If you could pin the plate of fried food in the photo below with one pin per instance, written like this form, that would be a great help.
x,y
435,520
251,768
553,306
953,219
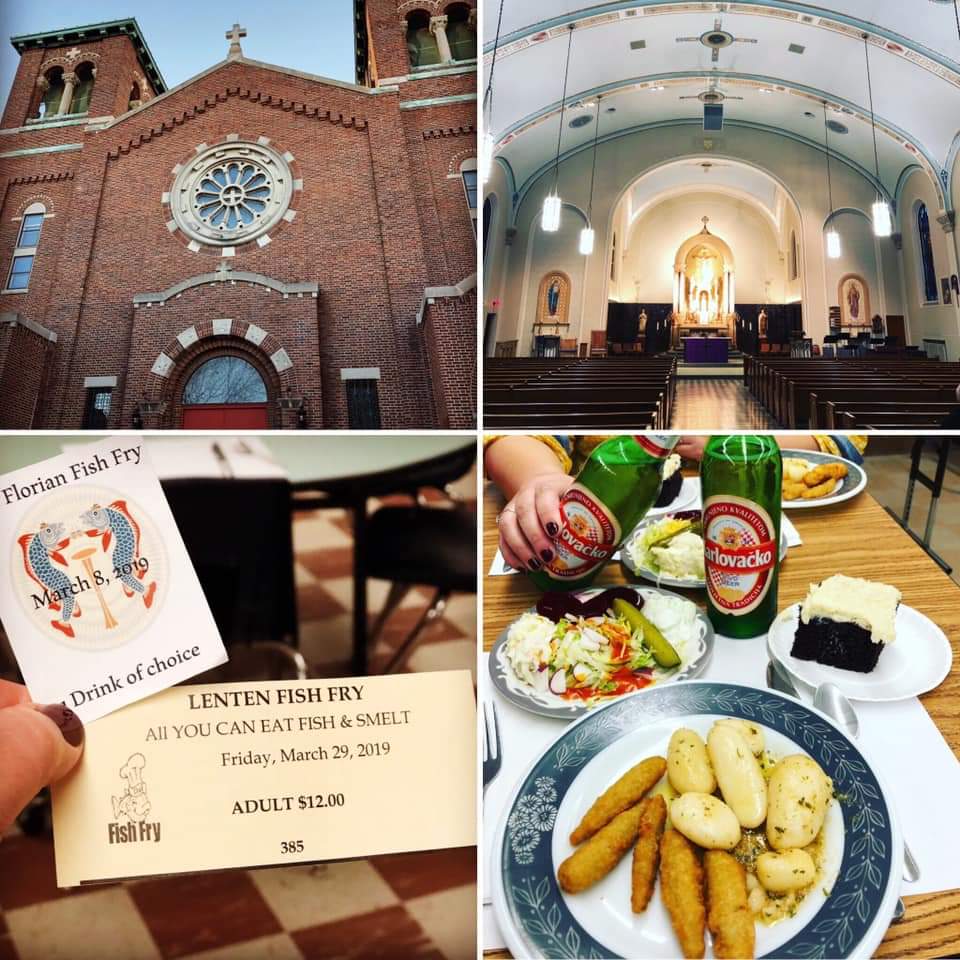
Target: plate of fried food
x,y
814,479
699,819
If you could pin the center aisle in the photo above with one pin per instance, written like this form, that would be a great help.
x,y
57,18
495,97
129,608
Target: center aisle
x,y
717,403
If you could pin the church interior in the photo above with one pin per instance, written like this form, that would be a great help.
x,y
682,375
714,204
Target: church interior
x,y
709,204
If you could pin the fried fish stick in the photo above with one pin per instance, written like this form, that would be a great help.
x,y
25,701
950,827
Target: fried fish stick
x,y
626,792
646,854
601,853
729,917
821,490
681,886
793,491
826,471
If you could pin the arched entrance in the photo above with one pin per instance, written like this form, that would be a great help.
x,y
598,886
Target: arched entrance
x,y
225,393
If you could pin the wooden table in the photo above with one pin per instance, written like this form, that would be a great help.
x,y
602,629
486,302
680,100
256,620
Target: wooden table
x,y
860,539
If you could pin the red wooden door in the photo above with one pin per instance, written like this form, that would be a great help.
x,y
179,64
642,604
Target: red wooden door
x,y
227,416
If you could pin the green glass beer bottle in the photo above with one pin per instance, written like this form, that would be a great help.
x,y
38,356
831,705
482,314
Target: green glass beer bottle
x,y
740,484
614,490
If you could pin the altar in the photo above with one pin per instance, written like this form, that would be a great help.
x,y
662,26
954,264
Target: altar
x,y
706,349
703,287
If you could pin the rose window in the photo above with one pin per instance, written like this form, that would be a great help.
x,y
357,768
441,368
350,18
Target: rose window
x,y
231,193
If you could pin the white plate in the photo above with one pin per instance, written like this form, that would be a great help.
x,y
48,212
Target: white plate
x,y
852,484
687,499
917,661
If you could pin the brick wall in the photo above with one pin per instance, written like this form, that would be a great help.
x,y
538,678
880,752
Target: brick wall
x,y
23,361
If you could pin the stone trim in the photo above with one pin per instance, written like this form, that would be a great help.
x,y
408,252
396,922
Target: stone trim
x,y
43,124
440,293
42,178
223,276
12,319
437,101
33,151
93,382
359,373
439,70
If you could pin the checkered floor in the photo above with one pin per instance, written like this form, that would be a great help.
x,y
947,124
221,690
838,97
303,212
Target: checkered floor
x,y
419,906
716,404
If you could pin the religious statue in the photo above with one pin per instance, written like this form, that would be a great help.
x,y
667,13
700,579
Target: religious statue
x,y
643,320
853,301
553,298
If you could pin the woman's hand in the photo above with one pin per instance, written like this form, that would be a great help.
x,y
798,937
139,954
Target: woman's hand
x,y
530,521
691,448
38,745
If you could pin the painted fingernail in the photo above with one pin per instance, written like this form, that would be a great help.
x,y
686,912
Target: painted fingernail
x,y
533,563
69,723
547,555
552,529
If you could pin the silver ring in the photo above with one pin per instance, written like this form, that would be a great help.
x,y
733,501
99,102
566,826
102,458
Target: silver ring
x,y
503,511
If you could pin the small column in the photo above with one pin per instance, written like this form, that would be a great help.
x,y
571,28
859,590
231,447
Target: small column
x,y
438,27
69,82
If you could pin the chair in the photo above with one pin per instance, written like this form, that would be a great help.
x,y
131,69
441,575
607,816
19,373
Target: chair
x,y
568,348
598,343
426,543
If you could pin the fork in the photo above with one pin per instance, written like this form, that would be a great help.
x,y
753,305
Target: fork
x,y
492,756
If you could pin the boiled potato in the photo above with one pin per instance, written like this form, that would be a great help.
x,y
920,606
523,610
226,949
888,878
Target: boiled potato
x,y
688,766
794,468
706,820
752,732
738,774
782,872
798,794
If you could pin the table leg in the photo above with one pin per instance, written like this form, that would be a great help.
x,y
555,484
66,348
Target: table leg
x,y
360,587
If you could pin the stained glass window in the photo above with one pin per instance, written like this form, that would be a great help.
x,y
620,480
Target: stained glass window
x,y
225,380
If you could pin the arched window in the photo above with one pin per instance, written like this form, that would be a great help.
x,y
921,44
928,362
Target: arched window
x,y
461,36
225,380
421,43
468,173
24,254
794,258
53,94
83,89
930,292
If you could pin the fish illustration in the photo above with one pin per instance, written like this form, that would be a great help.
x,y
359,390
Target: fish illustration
x,y
115,522
40,551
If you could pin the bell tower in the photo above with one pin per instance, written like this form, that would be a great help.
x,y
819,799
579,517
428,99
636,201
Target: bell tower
x,y
413,39
81,73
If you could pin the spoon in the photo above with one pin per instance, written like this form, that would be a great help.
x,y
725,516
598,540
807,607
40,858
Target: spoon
x,y
831,700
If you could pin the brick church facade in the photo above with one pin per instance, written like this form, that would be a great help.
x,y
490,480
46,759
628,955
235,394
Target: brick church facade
x,y
255,247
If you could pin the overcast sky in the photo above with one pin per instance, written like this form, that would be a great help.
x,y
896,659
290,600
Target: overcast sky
x,y
187,36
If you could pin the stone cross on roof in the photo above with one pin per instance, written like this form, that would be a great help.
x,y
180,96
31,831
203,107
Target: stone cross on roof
x,y
233,35
705,220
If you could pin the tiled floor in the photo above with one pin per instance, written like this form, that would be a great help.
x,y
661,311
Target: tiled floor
x,y
887,475
716,405
420,906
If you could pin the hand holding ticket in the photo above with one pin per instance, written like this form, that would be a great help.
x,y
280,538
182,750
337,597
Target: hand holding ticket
x,y
242,774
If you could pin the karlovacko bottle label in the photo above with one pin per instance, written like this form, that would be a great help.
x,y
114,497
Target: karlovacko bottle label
x,y
589,534
740,553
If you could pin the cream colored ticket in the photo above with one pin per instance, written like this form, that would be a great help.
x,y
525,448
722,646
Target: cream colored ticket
x,y
248,774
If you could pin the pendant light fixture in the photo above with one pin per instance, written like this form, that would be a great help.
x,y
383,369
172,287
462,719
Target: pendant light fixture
x,y
486,140
882,220
586,234
552,204
833,237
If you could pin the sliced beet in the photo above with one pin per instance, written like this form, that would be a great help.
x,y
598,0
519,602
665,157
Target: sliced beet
x,y
555,605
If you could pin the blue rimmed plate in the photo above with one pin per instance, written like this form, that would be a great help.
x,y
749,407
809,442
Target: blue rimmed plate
x,y
852,484
863,848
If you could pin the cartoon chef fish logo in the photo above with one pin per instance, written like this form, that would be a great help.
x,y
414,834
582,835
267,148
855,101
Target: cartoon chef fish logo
x,y
132,807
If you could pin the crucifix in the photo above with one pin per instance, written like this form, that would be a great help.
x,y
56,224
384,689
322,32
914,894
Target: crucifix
x,y
233,35
716,39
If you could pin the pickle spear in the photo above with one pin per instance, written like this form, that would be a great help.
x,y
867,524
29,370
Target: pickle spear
x,y
660,647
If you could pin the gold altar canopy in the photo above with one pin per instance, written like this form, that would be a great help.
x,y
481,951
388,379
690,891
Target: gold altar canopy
x,y
703,282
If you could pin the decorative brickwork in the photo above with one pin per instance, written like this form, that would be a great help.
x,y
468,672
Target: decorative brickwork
x,y
376,215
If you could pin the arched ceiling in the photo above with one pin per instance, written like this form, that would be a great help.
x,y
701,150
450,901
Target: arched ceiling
x,y
628,53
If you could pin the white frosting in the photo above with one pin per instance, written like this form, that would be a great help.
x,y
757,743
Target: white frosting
x,y
671,465
870,605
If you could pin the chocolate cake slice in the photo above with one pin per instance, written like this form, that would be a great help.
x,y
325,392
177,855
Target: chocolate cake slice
x,y
672,481
846,622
